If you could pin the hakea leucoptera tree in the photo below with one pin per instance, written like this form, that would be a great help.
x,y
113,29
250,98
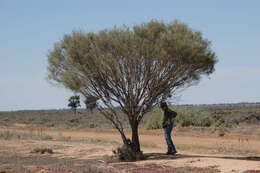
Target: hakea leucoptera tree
x,y
131,68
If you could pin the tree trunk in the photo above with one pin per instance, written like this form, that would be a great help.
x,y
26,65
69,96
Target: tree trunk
x,y
123,137
135,137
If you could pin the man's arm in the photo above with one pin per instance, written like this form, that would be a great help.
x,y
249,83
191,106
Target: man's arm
x,y
164,120
173,113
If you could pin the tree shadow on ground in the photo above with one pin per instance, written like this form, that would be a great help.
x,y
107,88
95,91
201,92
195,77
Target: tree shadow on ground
x,y
162,156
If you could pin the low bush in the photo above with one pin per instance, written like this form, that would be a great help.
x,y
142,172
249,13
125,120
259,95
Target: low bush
x,y
126,153
6,135
42,150
186,117
206,116
155,120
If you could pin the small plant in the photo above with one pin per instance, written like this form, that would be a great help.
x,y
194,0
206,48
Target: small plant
x,y
42,150
221,133
92,126
47,137
126,153
6,135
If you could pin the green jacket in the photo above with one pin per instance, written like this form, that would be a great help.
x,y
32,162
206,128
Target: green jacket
x,y
168,117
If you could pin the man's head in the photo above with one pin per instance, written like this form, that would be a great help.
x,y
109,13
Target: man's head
x,y
163,105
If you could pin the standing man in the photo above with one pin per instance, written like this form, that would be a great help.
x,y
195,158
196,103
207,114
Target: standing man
x,y
167,124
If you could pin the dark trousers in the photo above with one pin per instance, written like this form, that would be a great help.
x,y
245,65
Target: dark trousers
x,y
167,133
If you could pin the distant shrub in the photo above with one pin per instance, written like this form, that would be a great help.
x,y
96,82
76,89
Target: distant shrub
x,y
155,120
193,117
214,116
186,117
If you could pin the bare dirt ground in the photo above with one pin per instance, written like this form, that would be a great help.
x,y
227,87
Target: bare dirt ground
x,y
79,148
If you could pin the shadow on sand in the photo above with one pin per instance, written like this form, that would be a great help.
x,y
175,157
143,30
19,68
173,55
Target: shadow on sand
x,y
162,156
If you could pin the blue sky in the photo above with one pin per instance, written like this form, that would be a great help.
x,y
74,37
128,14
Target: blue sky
x,y
29,28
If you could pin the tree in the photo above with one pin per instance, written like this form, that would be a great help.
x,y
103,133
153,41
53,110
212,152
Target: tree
x,y
133,68
91,102
74,102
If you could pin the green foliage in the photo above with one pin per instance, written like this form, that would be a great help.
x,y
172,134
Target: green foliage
x,y
220,118
83,61
186,117
155,122
193,117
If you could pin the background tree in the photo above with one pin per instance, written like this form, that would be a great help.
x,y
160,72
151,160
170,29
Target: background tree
x,y
74,102
133,68
91,102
